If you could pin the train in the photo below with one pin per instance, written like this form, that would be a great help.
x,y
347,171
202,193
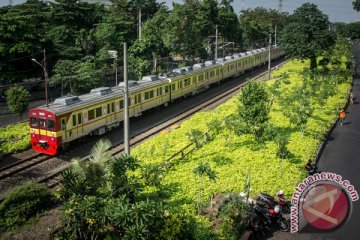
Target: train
x,y
68,118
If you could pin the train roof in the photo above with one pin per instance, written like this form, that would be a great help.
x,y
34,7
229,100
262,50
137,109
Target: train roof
x,y
69,103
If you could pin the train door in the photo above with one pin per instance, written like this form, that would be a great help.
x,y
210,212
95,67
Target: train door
x,y
80,125
63,129
73,133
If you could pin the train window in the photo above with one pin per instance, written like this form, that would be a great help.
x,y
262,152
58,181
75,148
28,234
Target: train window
x,y
194,79
180,84
74,120
200,77
166,89
91,114
187,82
98,111
212,73
108,108
138,98
42,123
51,125
159,91
121,104
173,87
113,107
33,122
79,119
147,95
63,124
217,72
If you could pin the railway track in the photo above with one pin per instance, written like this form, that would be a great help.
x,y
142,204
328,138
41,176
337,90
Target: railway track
x,y
22,165
52,179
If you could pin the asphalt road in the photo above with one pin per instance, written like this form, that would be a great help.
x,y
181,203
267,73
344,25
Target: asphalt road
x,y
342,156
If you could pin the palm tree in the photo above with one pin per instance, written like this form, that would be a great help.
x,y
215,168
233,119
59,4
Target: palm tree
x,y
86,177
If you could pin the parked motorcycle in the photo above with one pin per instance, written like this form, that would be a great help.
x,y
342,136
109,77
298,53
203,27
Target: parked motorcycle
x,y
284,205
273,216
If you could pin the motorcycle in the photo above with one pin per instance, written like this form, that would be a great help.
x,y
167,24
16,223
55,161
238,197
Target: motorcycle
x,y
269,201
273,216
285,206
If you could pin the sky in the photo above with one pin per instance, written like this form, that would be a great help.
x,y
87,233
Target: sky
x,y
337,10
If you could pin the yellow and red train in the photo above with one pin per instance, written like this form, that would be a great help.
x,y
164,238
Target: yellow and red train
x,y
71,117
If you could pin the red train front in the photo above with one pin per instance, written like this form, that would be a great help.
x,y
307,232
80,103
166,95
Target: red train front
x,y
43,131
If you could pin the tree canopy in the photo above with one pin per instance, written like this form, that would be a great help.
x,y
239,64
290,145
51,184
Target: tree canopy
x,y
18,99
356,5
307,35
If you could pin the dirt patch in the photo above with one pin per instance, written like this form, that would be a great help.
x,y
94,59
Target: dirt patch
x,y
42,229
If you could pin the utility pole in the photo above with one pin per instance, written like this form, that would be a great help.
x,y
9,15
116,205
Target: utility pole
x,y
216,42
46,80
126,103
10,2
45,76
269,62
139,23
275,43
280,5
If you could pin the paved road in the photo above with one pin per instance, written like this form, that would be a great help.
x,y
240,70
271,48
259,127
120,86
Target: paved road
x,y
342,156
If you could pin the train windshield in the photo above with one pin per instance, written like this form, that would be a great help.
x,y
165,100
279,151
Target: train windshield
x,y
42,123
33,122
50,125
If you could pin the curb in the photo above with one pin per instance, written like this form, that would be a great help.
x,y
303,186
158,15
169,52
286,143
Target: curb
x,y
327,135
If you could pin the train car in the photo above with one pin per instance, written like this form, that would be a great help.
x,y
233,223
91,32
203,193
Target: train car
x,y
71,117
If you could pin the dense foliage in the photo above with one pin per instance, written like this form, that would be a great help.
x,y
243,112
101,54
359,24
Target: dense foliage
x,y
22,203
356,5
18,99
307,35
106,197
253,108
14,138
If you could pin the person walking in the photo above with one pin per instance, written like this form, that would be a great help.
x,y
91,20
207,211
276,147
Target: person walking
x,y
352,98
342,116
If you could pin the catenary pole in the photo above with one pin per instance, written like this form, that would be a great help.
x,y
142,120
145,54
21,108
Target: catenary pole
x,y
216,42
126,103
46,80
269,62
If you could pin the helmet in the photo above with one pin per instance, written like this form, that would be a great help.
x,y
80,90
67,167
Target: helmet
x,y
242,195
281,192
277,209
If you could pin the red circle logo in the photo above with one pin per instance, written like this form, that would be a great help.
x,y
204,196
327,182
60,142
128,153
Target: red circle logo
x,y
325,206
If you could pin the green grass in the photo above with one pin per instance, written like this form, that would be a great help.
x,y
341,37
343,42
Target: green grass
x,y
14,138
232,156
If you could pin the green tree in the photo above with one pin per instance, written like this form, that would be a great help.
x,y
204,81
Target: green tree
x,y
18,99
298,108
256,23
203,169
253,108
307,35
105,198
23,29
356,5
79,76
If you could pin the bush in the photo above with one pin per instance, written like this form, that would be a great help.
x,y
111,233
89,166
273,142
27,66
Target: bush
x,y
14,138
22,203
